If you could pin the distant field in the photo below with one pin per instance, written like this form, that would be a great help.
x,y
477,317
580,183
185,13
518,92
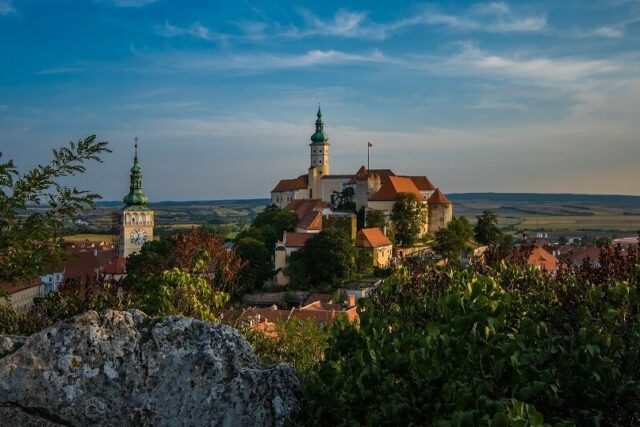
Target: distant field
x,y
574,223
90,237
561,213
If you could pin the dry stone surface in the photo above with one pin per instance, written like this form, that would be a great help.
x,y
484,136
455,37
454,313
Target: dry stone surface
x,y
124,368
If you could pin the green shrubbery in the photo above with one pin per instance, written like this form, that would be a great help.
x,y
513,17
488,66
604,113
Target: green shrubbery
x,y
461,348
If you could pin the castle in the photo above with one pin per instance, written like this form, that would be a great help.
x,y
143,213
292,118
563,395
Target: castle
x,y
368,189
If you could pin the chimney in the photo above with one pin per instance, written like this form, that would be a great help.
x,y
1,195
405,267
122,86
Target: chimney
x,y
351,301
95,252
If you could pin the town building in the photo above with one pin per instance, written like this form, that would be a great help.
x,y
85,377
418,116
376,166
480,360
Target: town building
x,y
374,247
21,295
136,219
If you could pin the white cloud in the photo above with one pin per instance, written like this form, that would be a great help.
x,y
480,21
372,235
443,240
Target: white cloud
x,y
6,7
131,3
196,30
610,32
496,17
59,70
537,69
261,62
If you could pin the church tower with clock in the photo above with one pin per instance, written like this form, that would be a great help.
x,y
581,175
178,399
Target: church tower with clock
x,y
136,219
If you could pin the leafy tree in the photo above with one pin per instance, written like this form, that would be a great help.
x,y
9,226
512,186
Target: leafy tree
x,y
375,219
453,239
563,240
327,258
603,241
486,231
183,292
299,343
408,216
280,219
31,244
257,262
154,258
343,200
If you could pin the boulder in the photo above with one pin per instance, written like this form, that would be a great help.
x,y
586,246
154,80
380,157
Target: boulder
x,y
121,368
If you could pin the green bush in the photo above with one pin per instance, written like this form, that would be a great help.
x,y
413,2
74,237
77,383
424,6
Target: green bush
x,y
439,347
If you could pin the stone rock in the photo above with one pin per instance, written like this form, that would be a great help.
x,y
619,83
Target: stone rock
x,y
121,368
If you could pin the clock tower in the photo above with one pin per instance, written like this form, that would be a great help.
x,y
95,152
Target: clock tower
x,y
136,219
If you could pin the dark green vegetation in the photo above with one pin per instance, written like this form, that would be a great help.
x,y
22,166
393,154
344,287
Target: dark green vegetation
x,y
499,345
255,244
326,260
31,242
408,216
452,240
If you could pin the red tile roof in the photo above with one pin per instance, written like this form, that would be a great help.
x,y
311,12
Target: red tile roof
x,y
394,186
12,288
438,198
542,259
296,240
309,213
363,173
299,183
422,182
84,263
371,238
117,266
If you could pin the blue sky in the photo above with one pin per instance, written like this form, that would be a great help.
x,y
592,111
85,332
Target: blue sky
x,y
538,96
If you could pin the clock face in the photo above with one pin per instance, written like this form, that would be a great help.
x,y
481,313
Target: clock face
x,y
138,236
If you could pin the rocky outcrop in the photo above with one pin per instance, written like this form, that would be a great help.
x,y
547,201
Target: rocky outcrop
x,y
125,368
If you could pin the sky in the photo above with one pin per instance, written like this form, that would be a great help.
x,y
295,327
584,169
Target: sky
x,y
536,96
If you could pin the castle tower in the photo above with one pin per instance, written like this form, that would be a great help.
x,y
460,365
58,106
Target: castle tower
x,y
136,219
319,158
440,211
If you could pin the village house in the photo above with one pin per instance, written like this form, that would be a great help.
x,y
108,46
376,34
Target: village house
x,y
374,247
21,295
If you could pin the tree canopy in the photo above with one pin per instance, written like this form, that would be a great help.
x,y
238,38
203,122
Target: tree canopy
x,y
375,219
408,216
486,231
31,243
452,240
327,258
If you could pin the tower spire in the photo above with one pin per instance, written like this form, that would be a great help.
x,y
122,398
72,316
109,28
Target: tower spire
x,y
135,197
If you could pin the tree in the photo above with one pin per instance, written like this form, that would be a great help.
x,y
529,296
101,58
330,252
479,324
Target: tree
x,y
375,219
343,200
327,258
453,239
408,216
205,255
31,243
257,262
154,258
280,219
486,231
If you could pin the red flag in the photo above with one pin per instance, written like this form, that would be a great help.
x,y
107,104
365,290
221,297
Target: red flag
x,y
370,144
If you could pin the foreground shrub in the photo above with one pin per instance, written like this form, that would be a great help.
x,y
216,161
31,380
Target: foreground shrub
x,y
460,348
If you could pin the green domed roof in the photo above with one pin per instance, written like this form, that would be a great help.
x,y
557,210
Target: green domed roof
x,y
320,137
135,198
